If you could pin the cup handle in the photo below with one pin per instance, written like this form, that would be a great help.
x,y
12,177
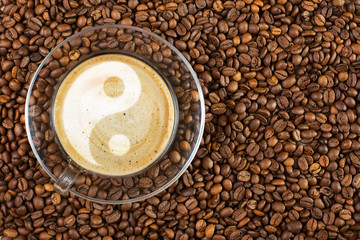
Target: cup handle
x,y
66,179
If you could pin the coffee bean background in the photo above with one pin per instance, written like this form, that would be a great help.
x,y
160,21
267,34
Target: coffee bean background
x,y
280,155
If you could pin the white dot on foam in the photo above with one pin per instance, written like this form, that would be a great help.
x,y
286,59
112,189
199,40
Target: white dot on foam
x,y
119,144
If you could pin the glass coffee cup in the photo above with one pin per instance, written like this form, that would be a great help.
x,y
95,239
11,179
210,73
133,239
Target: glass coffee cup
x,y
114,114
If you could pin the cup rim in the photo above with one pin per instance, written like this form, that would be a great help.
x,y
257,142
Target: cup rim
x,y
201,127
173,131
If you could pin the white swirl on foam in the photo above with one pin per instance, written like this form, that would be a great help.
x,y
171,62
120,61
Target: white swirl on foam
x,y
93,104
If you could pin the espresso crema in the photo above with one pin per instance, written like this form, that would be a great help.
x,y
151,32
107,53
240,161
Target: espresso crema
x,y
113,114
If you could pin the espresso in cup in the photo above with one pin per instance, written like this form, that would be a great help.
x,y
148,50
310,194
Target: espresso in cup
x,y
114,114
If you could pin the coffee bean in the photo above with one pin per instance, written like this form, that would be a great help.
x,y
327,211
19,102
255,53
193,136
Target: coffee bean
x,y
308,134
34,24
356,33
145,182
8,124
73,234
84,230
294,226
218,108
22,184
345,214
49,209
278,207
252,149
324,161
10,232
283,42
244,176
239,192
149,211
55,198
258,189
38,202
245,59
8,22
307,202
311,225
329,218
209,231
280,125
276,31
237,234
227,71
276,219
113,217
356,181
282,102
315,168
303,164
69,221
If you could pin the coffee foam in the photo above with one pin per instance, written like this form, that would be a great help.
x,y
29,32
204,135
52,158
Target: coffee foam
x,y
113,114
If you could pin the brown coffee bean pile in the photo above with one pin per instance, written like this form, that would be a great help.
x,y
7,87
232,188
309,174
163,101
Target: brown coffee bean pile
x,y
280,155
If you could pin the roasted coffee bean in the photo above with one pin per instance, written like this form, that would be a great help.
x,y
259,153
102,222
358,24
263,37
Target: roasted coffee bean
x,y
294,226
276,219
244,176
218,108
145,182
252,149
307,202
345,214
69,221
113,217
311,225
227,71
245,59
